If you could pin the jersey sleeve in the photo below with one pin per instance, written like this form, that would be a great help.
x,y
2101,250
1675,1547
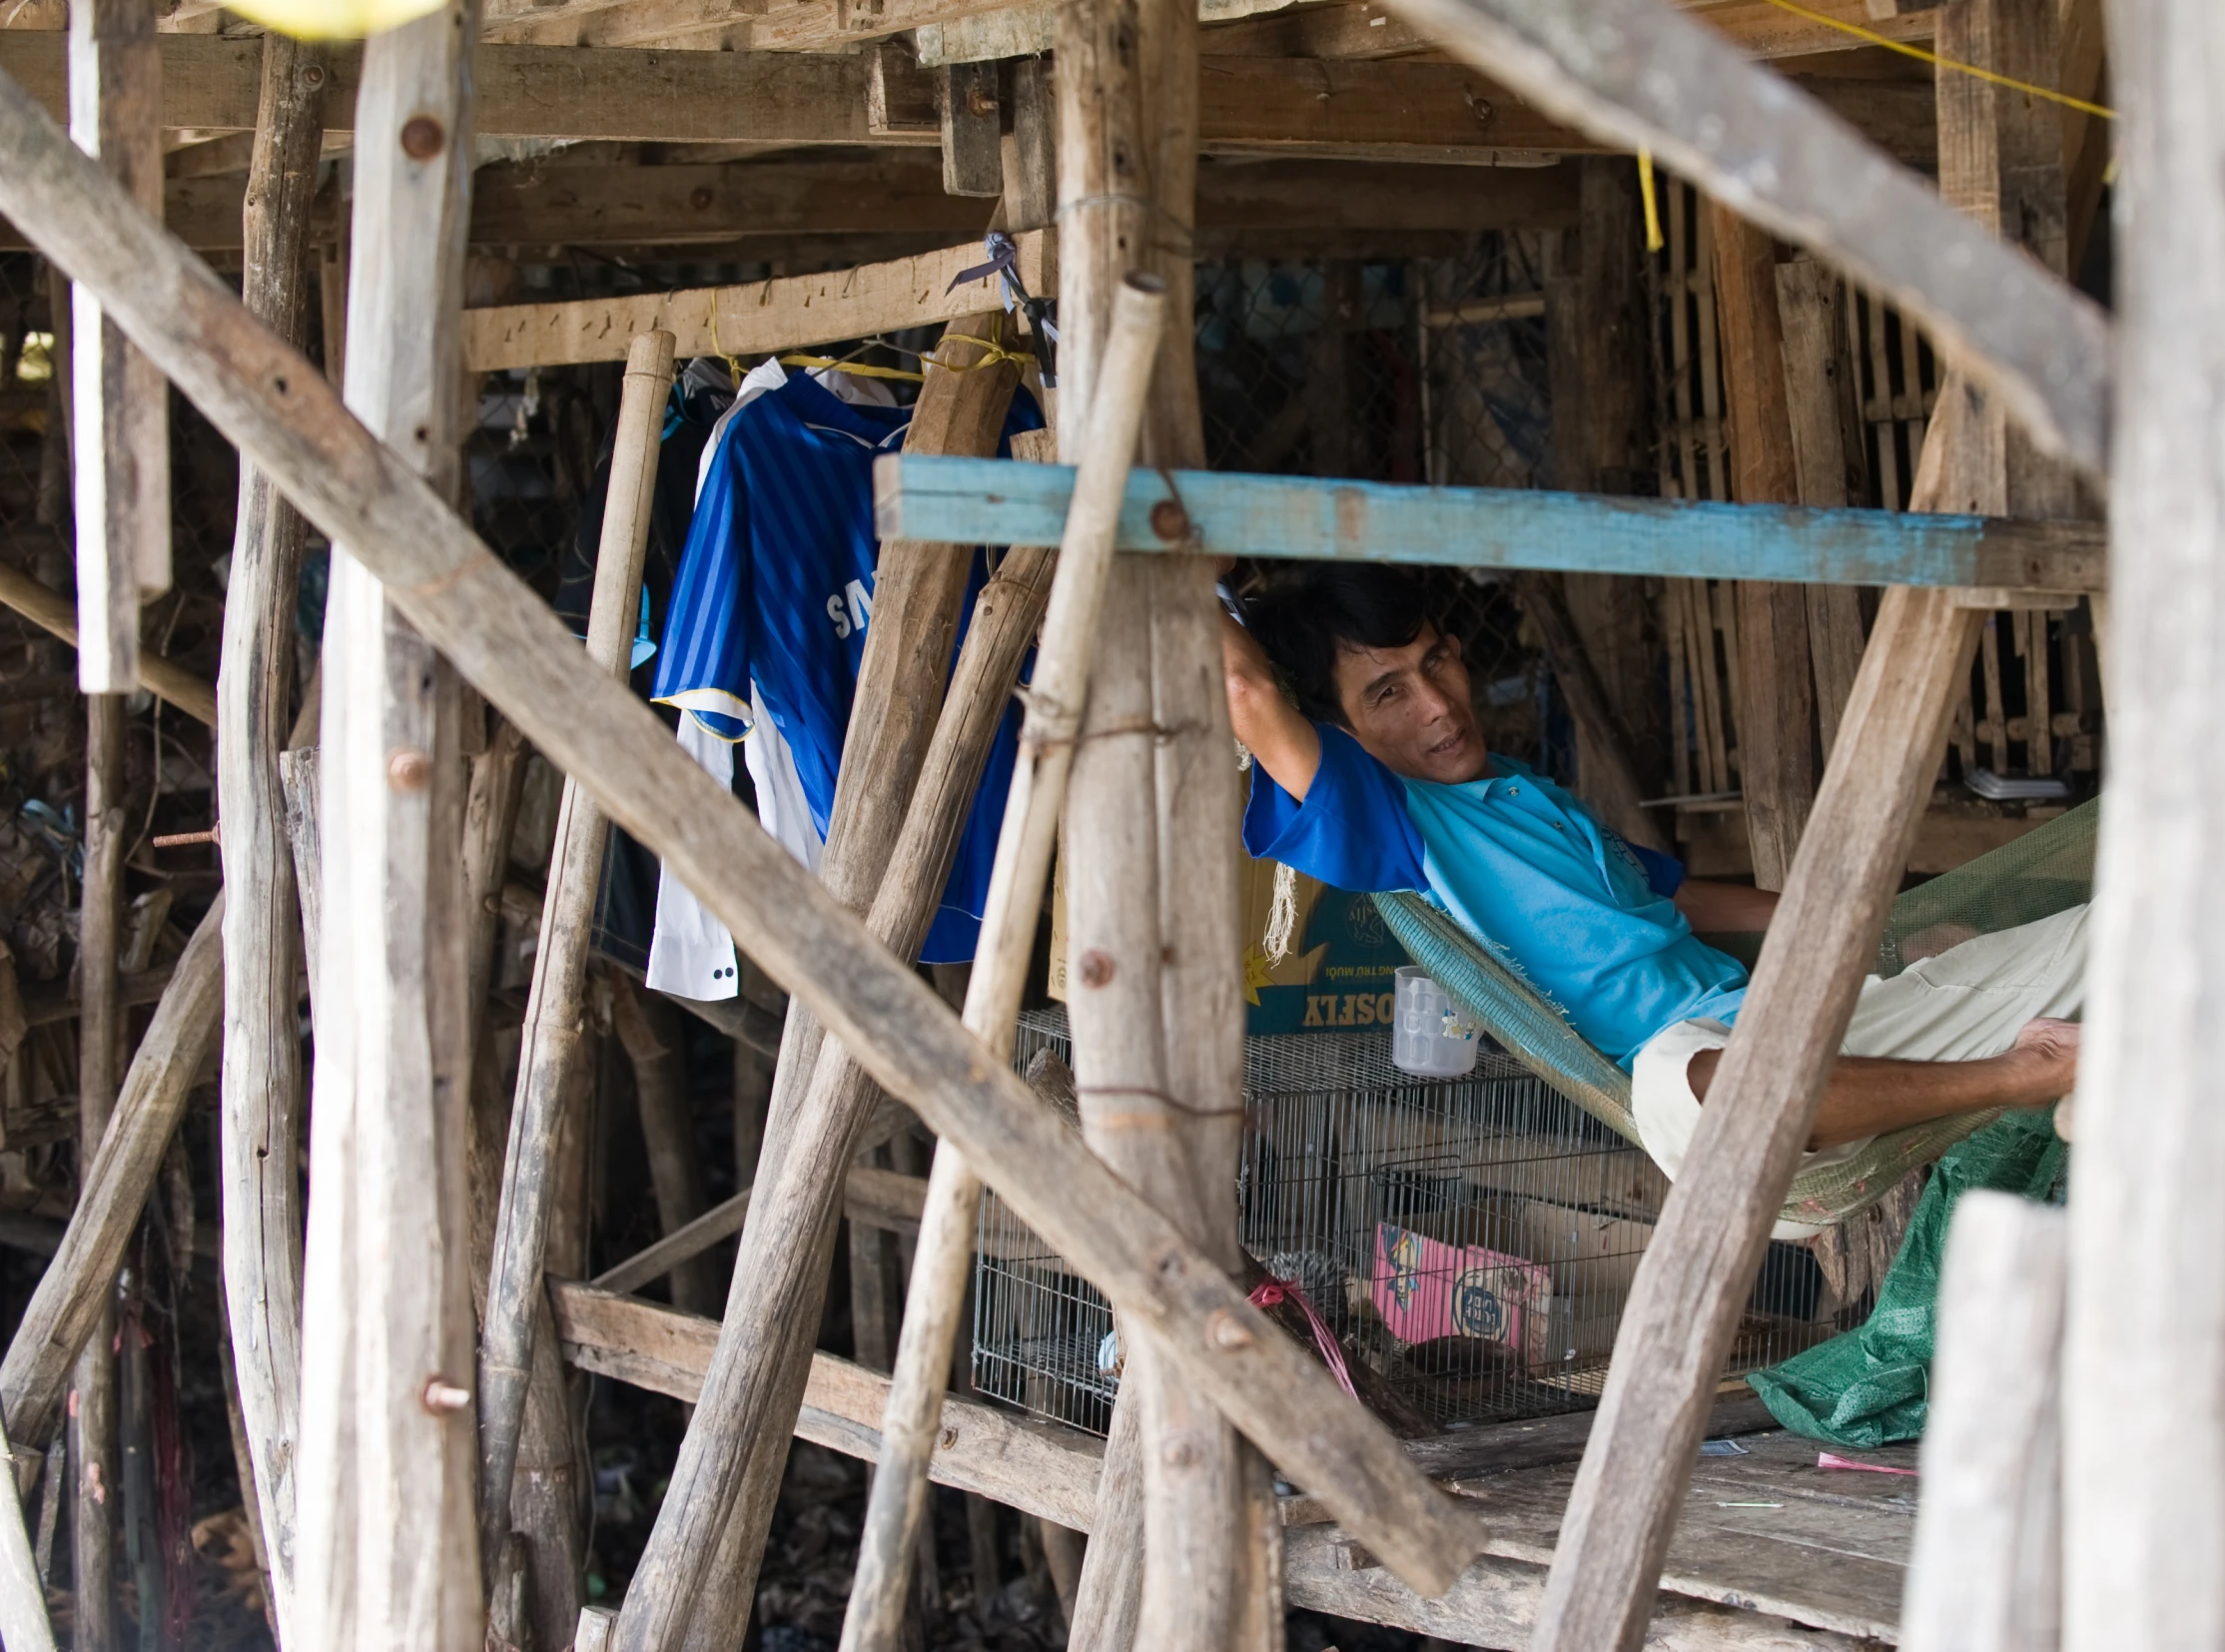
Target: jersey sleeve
x,y
1353,831
703,660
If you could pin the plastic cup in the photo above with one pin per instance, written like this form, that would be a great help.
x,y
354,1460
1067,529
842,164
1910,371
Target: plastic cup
x,y
1429,1037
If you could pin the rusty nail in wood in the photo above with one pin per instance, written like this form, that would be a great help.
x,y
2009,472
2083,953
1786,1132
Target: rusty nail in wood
x,y
1483,111
1228,1331
407,770
180,840
441,1396
1170,520
422,137
1096,969
981,102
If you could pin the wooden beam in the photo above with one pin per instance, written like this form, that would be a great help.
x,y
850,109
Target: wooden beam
x,y
390,1552
752,319
995,501
1635,73
2144,1503
272,403
118,410
1052,1472
753,209
57,614
1412,110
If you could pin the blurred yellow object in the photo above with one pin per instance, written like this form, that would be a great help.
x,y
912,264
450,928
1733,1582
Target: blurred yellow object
x,y
333,19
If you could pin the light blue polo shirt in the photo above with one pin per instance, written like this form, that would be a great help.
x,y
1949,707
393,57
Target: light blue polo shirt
x,y
1585,918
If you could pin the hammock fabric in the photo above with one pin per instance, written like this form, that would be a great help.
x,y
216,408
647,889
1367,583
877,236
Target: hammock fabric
x,y
2046,871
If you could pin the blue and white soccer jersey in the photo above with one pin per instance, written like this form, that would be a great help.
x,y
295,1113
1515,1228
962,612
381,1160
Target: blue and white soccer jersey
x,y
766,633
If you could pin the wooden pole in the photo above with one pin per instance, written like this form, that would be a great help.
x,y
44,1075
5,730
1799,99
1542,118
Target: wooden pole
x,y
505,640
120,407
554,1032
1777,765
261,1077
73,1294
1057,691
1986,1571
24,1626
388,1542
701,1560
1694,1278
100,1043
1153,827
2143,1499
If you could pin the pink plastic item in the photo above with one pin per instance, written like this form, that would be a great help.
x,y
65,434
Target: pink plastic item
x,y
1271,1290
1823,1459
1426,1289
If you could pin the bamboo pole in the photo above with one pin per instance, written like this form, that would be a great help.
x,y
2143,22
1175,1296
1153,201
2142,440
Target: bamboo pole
x,y
1055,696
261,1077
53,612
267,401
548,1061
894,759
99,1047
120,444
388,1539
650,1029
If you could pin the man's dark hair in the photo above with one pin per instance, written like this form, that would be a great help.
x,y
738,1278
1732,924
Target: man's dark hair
x,y
1304,619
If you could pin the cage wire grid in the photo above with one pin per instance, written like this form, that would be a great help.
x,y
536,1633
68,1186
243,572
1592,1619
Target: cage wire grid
x,y
1470,1241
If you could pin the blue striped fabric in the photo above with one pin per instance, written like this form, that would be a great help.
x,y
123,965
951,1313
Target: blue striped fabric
x,y
776,587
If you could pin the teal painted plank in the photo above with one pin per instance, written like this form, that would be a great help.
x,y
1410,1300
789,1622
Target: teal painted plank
x,y
1006,502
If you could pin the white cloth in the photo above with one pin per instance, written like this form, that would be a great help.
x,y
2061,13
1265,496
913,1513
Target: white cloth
x,y
1963,1003
691,954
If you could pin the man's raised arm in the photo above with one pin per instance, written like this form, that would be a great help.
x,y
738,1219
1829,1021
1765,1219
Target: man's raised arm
x,y
1279,739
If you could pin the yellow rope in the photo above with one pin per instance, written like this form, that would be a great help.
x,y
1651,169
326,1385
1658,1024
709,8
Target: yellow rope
x,y
1933,58
863,370
1654,243
991,353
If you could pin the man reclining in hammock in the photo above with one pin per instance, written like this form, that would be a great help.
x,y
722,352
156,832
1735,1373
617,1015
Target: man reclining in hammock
x,y
1376,779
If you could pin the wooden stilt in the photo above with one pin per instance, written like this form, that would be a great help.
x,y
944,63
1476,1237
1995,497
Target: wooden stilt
x,y
480,615
1690,1288
121,407
1153,824
549,1062
1776,764
99,1050
2142,1496
261,1077
1057,695
820,1098
389,1549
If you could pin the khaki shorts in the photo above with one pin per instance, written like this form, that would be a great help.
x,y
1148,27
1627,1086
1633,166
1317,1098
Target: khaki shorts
x,y
1965,1003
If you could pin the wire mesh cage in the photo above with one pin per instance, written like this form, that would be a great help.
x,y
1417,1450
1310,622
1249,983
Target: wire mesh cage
x,y
1469,1241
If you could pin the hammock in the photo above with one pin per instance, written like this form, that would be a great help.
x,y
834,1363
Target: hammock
x,y
2046,871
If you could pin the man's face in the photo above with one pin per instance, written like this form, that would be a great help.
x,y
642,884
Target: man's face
x,y
1408,708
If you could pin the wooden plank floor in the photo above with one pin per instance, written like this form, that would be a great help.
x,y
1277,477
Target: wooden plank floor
x,y
1769,1531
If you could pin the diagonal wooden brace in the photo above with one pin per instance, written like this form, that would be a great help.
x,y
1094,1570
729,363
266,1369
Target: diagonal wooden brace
x,y
1640,75
268,399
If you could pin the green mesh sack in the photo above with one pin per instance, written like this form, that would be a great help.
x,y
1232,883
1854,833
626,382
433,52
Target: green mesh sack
x,y
1870,1386
2046,871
